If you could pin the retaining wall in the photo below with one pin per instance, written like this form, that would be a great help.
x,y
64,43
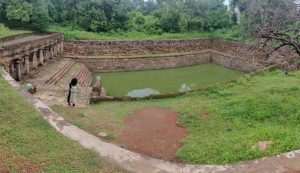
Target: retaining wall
x,y
100,48
111,56
134,63
146,62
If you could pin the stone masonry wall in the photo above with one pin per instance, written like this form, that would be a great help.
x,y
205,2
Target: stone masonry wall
x,y
140,55
96,48
100,48
229,61
134,63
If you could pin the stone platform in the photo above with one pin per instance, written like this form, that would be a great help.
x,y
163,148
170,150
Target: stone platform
x,y
52,82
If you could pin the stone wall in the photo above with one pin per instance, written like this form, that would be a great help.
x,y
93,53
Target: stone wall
x,y
134,63
95,48
140,55
242,64
100,48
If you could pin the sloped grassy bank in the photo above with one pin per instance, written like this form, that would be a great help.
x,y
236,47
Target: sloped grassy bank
x,y
29,144
223,123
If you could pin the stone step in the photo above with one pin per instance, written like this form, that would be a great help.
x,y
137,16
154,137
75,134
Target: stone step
x,y
32,73
80,76
85,77
80,72
53,82
47,73
42,74
60,72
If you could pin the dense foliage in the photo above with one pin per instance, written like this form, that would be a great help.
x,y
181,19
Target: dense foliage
x,y
152,16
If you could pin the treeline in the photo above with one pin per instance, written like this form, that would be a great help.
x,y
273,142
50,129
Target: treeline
x,y
151,16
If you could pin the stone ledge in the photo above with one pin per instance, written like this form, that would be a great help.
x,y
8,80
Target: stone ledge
x,y
137,56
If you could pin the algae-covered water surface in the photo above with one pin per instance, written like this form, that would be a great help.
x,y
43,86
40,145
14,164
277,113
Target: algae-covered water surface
x,y
151,82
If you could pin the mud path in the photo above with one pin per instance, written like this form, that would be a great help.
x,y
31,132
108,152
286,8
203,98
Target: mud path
x,y
154,132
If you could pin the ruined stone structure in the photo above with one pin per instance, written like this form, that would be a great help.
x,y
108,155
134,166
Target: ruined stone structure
x,y
20,55
38,60
49,63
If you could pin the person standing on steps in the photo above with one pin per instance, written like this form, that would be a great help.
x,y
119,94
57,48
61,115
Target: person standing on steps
x,y
73,89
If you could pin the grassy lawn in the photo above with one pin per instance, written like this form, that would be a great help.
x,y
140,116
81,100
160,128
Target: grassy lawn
x,y
223,123
29,144
4,31
74,34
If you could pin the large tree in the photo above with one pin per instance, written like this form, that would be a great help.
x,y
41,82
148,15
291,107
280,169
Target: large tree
x,y
275,23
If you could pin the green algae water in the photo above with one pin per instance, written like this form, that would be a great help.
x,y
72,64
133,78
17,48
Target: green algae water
x,y
152,82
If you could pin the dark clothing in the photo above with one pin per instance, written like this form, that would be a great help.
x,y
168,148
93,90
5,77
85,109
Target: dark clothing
x,y
69,95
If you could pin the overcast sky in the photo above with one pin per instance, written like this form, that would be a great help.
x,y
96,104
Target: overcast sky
x,y
226,2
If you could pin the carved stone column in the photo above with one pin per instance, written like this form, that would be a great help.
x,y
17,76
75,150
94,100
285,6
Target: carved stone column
x,y
51,52
12,67
34,60
17,63
27,65
46,54
55,49
62,46
41,57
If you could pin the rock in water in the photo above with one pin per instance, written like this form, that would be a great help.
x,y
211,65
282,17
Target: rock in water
x,y
143,92
184,88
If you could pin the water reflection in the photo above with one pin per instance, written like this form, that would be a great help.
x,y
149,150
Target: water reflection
x,y
142,92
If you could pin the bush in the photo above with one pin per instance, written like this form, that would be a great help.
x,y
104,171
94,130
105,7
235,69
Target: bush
x,y
153,26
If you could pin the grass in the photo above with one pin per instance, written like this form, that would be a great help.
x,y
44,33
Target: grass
x,y
232,34
223,123
166,80
29,144
74,34
4,31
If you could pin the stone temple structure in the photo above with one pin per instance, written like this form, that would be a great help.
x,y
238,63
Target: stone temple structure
x,y
49,63
38,60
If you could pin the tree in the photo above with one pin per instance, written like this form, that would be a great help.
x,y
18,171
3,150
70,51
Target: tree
x,y
275,23
40,16
19,10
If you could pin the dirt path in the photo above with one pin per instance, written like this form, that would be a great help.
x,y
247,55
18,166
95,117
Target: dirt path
x,y
154,132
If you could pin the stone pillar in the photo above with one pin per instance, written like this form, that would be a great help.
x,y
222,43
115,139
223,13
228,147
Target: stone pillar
x,y
12,67
41,57
46,54
34,60
17,63
51,52
96,92
27,65
55,50
61,46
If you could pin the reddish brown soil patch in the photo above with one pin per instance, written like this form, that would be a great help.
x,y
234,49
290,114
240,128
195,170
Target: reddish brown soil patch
x,y
153,132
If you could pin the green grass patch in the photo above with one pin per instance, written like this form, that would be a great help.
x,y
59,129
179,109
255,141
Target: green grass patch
x,y
223,123
4,31
29,144
232,34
